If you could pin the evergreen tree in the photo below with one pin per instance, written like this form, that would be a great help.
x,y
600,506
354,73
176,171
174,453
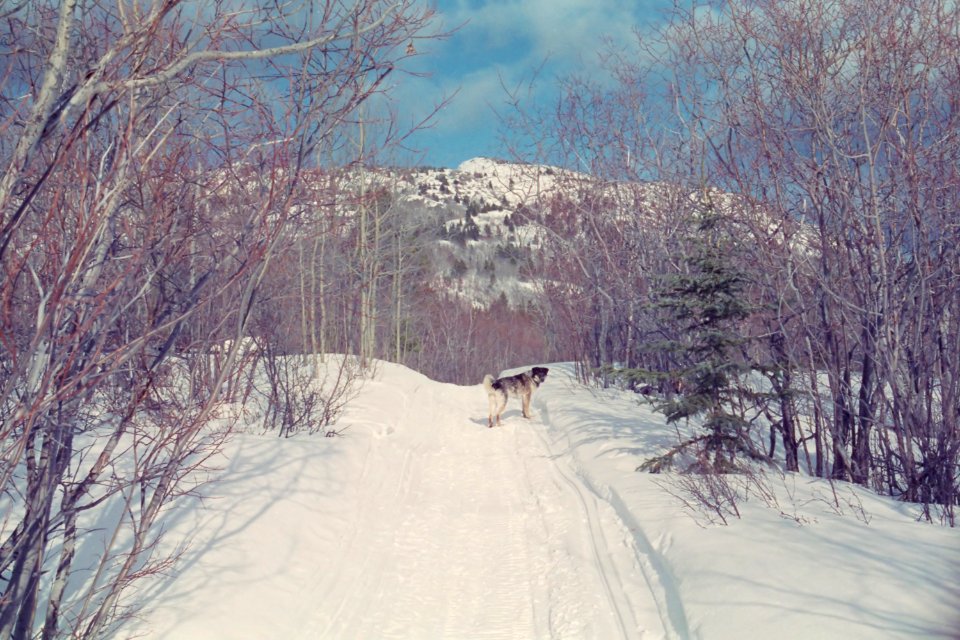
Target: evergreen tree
x,y
707,304
470,229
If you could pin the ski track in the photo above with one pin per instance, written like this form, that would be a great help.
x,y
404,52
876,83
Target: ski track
x,y
464,531
613,590
661,587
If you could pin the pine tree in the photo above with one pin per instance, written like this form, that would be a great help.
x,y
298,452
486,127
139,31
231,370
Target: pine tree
x,y
707,304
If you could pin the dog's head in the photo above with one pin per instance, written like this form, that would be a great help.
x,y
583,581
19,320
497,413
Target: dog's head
x,y
540,374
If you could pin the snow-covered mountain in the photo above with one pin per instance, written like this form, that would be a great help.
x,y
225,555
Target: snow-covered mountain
x,y
488,215
487,239
420,522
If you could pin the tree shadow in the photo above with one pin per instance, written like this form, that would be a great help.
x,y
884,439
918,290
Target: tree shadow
x,y
221,514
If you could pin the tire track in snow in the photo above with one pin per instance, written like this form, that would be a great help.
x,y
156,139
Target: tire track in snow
x,y
669,605
355,573
353,581
561,603
447,553
614,591
461,531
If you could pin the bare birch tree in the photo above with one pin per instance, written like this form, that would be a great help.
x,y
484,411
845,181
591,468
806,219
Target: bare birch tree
x,y
151,154
841,116
834,124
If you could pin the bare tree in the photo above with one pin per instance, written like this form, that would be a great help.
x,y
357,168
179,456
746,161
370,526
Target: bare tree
x,y
834,126
843,122
152,154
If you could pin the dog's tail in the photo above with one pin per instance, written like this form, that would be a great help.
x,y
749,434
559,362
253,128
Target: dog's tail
x,y
488,383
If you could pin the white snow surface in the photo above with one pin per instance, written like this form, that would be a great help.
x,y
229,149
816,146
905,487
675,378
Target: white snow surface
x,y
420,522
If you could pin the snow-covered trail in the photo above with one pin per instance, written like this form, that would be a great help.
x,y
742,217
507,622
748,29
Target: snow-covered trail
x,y
463,531
419,523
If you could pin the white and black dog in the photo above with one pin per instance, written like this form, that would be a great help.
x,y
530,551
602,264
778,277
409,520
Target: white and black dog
x,y
520,386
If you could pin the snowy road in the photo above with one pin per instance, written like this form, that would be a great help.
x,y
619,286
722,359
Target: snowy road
x,y
463,531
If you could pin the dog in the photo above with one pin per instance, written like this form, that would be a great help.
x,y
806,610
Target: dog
x,y
520,386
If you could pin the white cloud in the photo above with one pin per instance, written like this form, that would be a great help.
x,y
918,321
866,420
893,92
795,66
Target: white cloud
x,y
502,43
566,31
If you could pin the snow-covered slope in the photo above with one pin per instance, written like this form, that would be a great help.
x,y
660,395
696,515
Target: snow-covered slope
x,y
488,240
419,522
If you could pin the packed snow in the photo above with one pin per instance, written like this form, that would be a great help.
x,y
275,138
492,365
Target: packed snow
x,y
420,522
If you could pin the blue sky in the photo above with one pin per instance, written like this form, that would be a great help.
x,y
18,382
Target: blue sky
x,y
505,42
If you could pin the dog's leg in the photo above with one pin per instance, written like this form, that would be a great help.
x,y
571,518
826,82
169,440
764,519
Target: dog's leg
x,y
497,403
501,405
526,405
